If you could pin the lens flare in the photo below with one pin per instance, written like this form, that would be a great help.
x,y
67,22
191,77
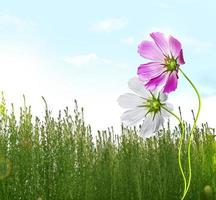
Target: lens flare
x,y
208,191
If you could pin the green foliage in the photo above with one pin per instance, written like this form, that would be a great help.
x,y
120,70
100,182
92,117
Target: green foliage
x,y
57,159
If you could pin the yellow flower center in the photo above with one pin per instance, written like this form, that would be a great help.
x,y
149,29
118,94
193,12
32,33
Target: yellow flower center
x,y
153,105
171,64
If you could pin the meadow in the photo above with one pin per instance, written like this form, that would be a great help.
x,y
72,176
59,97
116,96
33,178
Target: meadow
x,y
61,159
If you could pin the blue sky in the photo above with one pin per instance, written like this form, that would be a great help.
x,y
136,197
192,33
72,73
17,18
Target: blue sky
x,y
87,50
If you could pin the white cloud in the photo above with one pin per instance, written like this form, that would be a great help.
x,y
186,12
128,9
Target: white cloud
x,y
82,59
19,23
128,40
92,59
109,25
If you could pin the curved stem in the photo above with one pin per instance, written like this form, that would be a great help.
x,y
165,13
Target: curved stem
x,y
180,147
192,131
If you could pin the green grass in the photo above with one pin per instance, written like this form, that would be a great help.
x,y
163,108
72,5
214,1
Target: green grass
x,y
58,158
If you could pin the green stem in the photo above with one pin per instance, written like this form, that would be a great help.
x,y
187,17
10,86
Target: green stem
x,y
180,147
192,131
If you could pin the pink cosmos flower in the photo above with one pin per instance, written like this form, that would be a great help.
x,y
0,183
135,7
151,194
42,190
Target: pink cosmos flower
x,y
166,56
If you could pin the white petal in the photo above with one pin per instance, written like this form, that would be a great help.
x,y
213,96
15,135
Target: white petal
x,y
147,128
159,120
130,100
150,125
163,97
138,87
169,106
133,116
155,92
164,113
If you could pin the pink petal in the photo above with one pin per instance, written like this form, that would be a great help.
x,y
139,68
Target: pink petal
x,y
149,70
175,46
155,82
181,58
161,41
171,83
150,51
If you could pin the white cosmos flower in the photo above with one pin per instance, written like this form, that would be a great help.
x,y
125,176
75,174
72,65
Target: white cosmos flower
x,y
144,105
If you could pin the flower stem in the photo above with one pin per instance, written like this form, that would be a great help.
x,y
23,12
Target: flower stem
x,y
192,131
180,148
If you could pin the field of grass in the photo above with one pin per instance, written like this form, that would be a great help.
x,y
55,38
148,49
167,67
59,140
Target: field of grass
x,y
59,159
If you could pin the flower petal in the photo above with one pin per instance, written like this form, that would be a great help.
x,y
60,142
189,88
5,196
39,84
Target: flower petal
x,y
171,83
161,41
149,50
163,97
133,116
155,82
181,58
175,46
129,100
164,113
149,70
150,125
155,92
159,120
169,106
147,128
136,85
